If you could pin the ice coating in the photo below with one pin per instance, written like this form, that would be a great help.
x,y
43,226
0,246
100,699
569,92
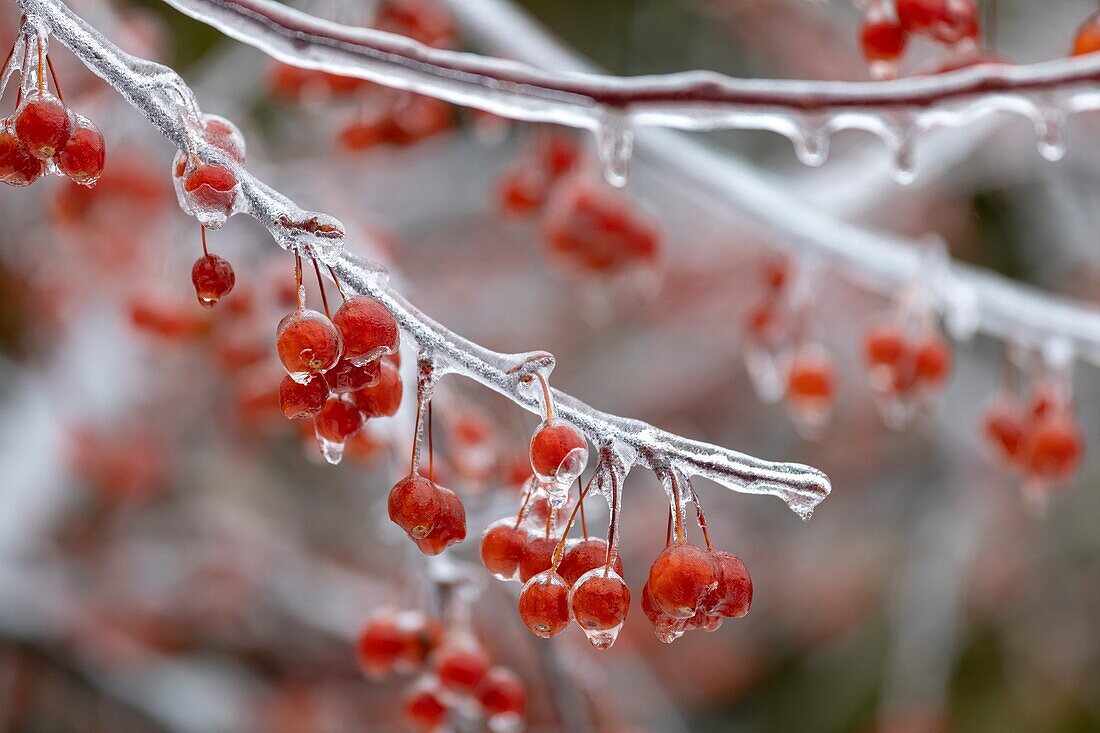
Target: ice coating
x,y
807,112
161,95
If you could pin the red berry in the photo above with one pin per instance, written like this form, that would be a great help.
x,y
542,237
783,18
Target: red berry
x,y
885,346
502,696
415,506
422,637
43,125
1004,430
382,399
932,358
212,277
540,508
1056,448
882,39
368,328
502,547
732,597
586,555
538,556
948,21
810,381
557,154
307,342
17,166
337,420
346,377
212,187
680,578
461,666
544,604
450,527
298,400
523,191
1088,36
600,601
559,451
424,709
84,154
667,628
380,644
597,231
223,134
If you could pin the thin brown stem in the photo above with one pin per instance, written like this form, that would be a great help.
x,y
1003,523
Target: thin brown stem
x,y
547,399
559,549
678,508
668,528
299,293
431,448
701,517
56,83
526,500
205,251
339,285
580,503
613,524
321,286
41,76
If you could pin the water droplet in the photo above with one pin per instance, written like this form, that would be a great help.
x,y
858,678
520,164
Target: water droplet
x,y
331,451
615,146
762,364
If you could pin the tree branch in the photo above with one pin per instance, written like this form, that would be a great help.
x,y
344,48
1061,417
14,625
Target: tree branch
x,y
161,95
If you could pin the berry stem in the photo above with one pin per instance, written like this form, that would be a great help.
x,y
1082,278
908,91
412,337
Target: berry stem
x,y
321,286
668,528
526,500
580,503
677,507
205,251
701,517
431,449
559,549
547,399
299,292
339,285
613,524
41,76
56,83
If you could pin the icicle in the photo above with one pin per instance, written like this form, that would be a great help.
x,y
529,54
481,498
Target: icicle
x,y
811,144
615,146
1050,128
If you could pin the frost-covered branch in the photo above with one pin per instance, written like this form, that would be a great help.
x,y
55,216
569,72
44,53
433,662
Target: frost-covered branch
x,y
161,95
808,112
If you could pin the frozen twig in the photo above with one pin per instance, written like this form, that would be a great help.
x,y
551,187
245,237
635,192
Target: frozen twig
x,y
161,95
808,112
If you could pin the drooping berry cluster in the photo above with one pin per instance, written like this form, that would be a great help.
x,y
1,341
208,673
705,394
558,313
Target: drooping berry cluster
x,y
44,136
432,516
454,671
783,358
1036,435
341,371
886,27
908,364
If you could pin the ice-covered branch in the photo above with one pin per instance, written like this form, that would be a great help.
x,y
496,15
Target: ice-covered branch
x,y
167,103
808,112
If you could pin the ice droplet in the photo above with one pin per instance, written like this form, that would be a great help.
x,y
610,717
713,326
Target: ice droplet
x,y
505,723
600,638
332,451
762,364
615,147
811,144
905,167
1050,128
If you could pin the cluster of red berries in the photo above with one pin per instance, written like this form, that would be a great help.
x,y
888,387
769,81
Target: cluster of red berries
x,y
786,363
524,190
907,367
340,371
45,135
1036,435
432,516
384,116
455,672
591,229
886,26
